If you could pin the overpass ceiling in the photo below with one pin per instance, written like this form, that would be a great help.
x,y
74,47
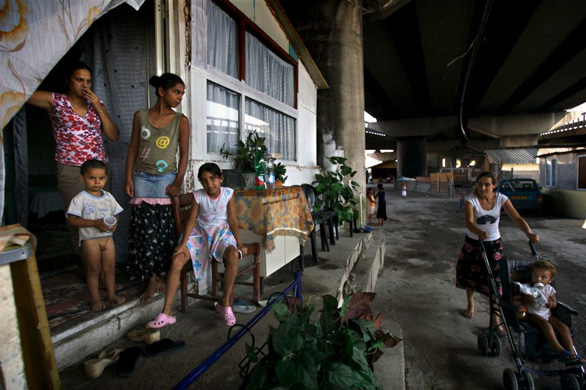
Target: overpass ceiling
x,y
532,57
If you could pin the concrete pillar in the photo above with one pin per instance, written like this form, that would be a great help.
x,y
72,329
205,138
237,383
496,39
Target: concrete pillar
x,y
332,32
412,156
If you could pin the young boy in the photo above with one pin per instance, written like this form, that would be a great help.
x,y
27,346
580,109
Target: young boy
x,y
87,211
539,313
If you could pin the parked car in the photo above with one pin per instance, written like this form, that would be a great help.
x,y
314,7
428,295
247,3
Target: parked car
x,y
525,194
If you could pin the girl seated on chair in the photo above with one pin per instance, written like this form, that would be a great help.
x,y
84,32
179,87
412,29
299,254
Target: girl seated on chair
x,y
211,233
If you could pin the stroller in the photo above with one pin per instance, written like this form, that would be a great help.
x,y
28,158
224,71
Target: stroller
x,y
531,343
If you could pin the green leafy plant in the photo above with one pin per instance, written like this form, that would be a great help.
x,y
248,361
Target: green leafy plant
x,y
280,172
243,158
335,350
336,195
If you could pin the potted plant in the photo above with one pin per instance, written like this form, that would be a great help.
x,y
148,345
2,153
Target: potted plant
x,y
243,159
336,195
334,350
280,177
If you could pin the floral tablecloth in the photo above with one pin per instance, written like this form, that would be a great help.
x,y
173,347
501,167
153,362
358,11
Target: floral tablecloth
x,y
278,212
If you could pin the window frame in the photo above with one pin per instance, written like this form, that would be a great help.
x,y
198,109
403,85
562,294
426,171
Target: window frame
x,y
551,166
239,85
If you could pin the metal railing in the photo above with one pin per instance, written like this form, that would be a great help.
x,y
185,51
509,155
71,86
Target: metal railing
x,y
190,378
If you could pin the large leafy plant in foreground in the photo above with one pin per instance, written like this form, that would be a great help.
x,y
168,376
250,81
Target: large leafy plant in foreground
x,y
334,350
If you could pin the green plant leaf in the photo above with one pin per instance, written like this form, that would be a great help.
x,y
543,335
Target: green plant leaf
x,y
251,354
286,372
342,376
287,339
281,311
362,369
258,377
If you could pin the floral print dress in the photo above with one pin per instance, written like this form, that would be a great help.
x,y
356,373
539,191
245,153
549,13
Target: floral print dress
x,y
211,235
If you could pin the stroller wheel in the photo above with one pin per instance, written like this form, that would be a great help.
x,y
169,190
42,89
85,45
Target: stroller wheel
x,y
496,347
528,385
569,382
510,379
482,342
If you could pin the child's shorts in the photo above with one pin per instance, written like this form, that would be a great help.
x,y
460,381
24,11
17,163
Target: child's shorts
x,y
147,185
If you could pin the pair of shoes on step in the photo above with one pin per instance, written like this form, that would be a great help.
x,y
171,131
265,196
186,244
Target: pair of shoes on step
x,y
95,367
131,357
140,333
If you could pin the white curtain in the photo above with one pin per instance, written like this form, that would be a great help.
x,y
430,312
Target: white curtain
x,y
278,128
268,73
222,47
222,127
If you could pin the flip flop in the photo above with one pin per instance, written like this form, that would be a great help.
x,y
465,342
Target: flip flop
x,y
226,314
128,362
570,359
242,307
95,367
164,346
160,321
140,333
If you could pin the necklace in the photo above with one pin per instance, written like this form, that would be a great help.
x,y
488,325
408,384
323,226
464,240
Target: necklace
x,y
215,202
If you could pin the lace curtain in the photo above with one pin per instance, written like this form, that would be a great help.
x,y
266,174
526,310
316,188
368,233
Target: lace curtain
x,y
222,41
278,128
222,127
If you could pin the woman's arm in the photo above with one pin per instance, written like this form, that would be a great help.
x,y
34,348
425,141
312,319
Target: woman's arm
x,y
521,223
131,156
108,126
175,188
469,210
42,99
233,222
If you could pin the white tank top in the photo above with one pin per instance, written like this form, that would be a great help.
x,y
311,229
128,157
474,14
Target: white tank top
x,y
487,220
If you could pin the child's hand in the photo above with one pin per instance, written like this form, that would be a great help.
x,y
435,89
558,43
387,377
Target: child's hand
x,y
181,250
173,189
101,226
243,249
527,298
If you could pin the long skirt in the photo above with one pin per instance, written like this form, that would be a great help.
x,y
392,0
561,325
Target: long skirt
x,y
471,270
382,210
152,238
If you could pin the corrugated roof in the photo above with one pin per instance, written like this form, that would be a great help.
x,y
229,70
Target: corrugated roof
x,y
550,151
513,156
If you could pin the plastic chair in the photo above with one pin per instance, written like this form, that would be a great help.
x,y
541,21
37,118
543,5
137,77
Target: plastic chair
x,y
321,218
181,207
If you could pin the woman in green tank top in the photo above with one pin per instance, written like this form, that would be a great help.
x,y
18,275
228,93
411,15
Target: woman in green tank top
x,y
153,175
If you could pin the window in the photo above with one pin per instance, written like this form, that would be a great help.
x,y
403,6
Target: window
x,y
222,118
551,168
261,82
582,172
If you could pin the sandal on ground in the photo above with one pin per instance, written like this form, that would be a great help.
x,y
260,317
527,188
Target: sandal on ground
x,y
139,334
128,362
164,346
95,367
570,359
468,314
226,314
160,321
242,307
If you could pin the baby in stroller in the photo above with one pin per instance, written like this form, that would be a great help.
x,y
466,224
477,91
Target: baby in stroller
x,y
540,298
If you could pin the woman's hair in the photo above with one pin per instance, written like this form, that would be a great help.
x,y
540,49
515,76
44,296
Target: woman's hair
x,y
380,185
545,265
211,168
89,164
484,174
76,66
165,81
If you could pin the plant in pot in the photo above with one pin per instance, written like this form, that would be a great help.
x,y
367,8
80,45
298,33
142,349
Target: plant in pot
x,y
337,190
243,157
333,350
280,177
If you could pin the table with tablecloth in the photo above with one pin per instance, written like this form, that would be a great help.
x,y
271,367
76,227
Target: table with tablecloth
x,y
270,215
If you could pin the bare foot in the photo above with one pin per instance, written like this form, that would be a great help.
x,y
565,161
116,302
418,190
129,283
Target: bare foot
x,y
97,306
147,295
161,286
116,300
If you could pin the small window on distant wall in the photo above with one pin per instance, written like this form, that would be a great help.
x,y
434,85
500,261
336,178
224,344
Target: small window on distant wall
x,y
551,172
582,172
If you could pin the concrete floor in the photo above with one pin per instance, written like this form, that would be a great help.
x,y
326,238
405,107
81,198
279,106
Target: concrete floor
x,y
415,289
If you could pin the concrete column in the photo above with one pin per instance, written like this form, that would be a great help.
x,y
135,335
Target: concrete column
x,y
332,32
412,156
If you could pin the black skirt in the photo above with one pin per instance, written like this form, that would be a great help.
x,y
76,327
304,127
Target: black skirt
x,y
471,272
152,238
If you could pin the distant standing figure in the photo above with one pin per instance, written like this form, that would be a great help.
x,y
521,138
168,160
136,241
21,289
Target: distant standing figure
x,y
404,191
381,213
462,194
371,204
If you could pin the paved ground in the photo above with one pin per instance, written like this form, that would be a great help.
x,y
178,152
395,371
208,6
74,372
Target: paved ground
x,y
424,236
415,288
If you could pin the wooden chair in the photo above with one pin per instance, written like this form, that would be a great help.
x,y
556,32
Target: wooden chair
x,y
181,207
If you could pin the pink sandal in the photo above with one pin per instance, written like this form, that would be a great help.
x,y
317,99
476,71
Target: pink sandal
x,y
160,321
226,314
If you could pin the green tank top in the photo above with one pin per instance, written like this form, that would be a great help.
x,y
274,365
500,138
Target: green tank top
x,y
157,147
